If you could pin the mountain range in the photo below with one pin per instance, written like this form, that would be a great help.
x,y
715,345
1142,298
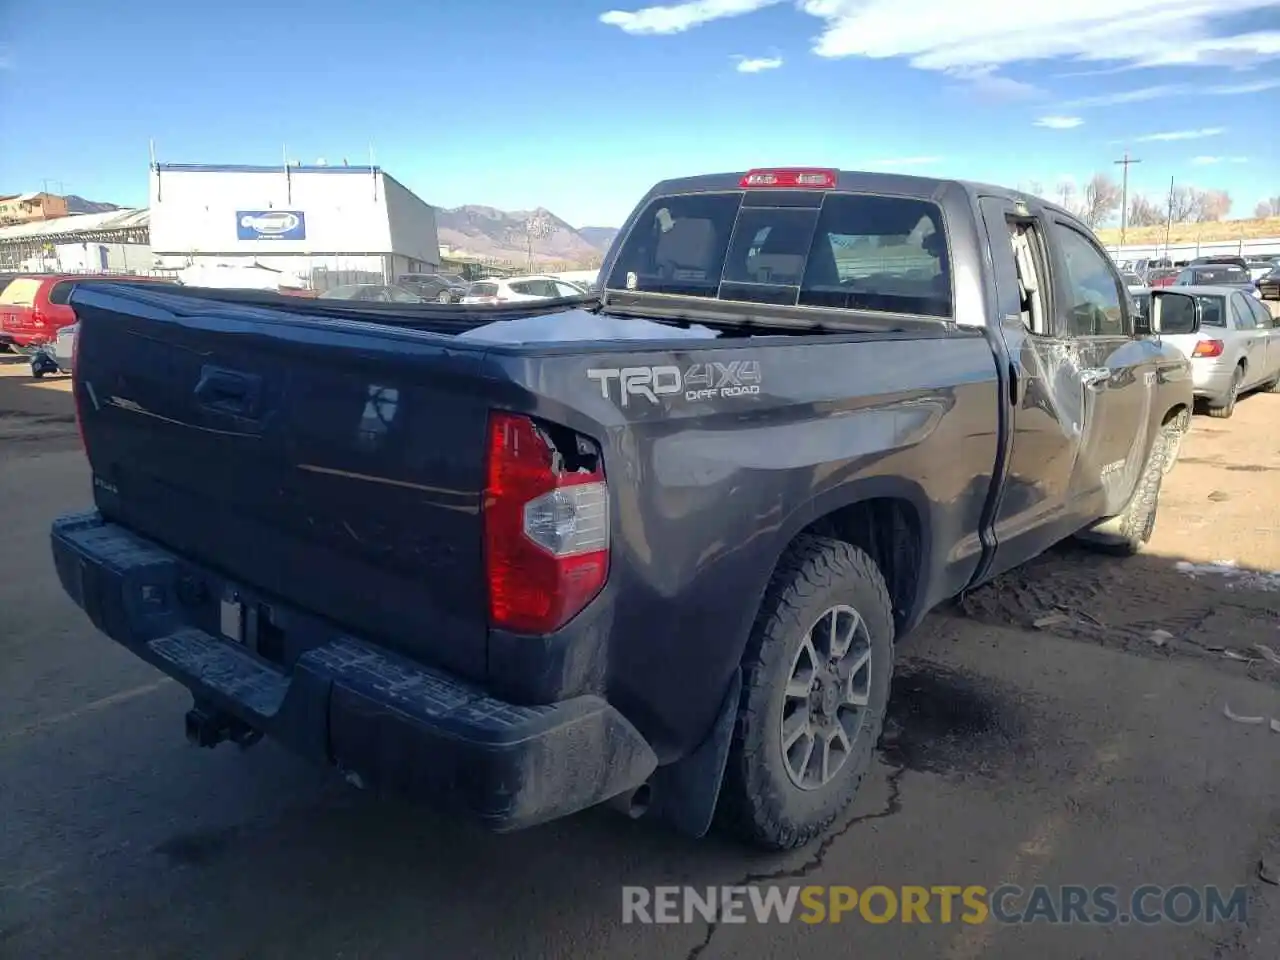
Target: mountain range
x,y
81,205
503,234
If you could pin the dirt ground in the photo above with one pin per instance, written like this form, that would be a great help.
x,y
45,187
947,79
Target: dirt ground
x,y
1064,724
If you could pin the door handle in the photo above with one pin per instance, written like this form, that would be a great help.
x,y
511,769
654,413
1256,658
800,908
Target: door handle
x,y
1094,377
229,391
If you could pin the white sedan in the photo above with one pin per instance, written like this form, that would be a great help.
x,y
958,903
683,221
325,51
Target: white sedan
x,y
519,290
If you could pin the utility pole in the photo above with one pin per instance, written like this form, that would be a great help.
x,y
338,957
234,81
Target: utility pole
x,y
1124,195
1168,222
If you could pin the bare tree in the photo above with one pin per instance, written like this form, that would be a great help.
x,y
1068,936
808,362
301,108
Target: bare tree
x,y
1212,205
1182,204
1268,208
1144,213
1101,199
1068,196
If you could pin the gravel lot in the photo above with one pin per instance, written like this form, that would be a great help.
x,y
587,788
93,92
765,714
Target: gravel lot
x,y
1063,725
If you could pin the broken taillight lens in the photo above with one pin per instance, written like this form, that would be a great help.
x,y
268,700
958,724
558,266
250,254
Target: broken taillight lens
x,y
546,525
1208,348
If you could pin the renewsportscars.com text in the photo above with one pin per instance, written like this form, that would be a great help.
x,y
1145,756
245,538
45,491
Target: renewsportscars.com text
x,y
943,904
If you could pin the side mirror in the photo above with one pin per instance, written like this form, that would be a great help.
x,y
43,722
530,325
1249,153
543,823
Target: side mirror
x,y
1174,313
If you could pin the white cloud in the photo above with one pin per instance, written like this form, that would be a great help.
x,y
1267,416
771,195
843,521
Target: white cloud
x,y
985,84
1143,94
984,34
1206,161
679,17
1059,123
1257,86
905,162
1140,95
1181,135
757,64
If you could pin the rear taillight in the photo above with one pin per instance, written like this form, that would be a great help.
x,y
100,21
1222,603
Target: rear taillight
x,y
1208,348
546,524
789,177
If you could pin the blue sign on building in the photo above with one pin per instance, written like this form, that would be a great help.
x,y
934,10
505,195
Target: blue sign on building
x,y
270,225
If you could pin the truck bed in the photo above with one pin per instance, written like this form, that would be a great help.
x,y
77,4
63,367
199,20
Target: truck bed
x,y
337,466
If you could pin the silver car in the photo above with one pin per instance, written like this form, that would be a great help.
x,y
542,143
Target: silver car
x,y
1236,350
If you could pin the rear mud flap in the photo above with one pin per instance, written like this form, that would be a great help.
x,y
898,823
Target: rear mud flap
x,y
685,792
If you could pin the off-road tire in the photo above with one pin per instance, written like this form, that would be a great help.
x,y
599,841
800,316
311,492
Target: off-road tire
x,y
1225,411
1127,533
758,802
1177,432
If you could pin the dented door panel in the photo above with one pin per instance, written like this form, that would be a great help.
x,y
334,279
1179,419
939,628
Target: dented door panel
x,y
1036,504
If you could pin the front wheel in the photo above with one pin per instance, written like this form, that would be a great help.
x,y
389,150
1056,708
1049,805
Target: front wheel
x,y
815,688
1127,533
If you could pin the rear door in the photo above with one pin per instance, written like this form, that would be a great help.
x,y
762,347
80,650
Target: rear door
x,y
1270,325
1253,340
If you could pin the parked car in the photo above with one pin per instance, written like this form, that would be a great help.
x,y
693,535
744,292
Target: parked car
x,y
1220,260
654,549
440,287
1237,348
1217,275
1259,267
1162,276
372,293
1269,285
1132,279
6,339
33,308
55,357
519,290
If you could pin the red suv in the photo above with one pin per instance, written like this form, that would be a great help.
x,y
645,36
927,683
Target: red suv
x,y
34,308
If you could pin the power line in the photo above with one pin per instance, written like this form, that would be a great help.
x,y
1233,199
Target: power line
x,y
1124,195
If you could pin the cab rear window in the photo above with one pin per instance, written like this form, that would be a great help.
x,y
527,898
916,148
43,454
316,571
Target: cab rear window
x,y
21,292
854,251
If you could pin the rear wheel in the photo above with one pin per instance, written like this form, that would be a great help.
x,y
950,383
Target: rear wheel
x,y
816,675
1225,409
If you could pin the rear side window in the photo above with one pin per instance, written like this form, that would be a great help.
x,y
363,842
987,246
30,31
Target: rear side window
x,y
483,290
1208,276
21,292
61,292
1212,314
535,288
854,251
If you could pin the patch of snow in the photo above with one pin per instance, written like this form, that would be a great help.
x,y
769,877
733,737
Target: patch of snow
x,y
1233,574
583,325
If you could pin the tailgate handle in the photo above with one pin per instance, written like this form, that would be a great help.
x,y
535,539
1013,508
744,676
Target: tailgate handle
x,y
229,391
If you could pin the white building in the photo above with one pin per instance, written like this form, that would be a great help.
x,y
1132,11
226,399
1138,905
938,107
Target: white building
x,y
319,225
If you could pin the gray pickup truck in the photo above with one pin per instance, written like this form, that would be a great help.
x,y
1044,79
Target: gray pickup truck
x,y
653,548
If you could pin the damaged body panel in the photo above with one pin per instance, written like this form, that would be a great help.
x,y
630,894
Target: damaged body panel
x,y
315,517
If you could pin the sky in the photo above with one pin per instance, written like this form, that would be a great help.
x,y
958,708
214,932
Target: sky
x,y
580,105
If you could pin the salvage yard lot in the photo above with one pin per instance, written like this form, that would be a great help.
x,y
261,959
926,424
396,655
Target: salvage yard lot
x,y
1063,725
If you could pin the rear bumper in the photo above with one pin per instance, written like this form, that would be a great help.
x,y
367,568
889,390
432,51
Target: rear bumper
x,y
345,701
1211,377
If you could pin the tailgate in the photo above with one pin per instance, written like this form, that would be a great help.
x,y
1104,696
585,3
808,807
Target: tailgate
x,y
337,466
